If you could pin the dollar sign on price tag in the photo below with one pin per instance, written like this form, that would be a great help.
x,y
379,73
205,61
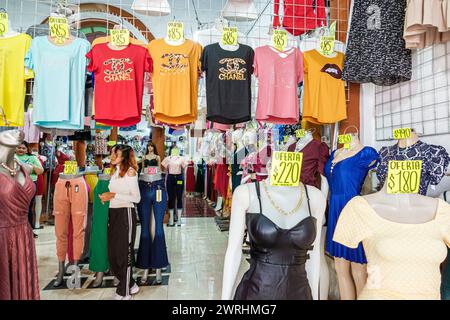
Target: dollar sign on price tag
x,y
120,37
175,31
286,168
402,133
59,29
279,39
3,23
70,167
404,176
229,36
300,133
327,45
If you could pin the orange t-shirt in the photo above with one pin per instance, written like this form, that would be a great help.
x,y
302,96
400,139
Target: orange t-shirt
x,y
324,97
175,77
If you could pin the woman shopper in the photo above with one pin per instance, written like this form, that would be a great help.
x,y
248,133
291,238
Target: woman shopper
x,y
122,196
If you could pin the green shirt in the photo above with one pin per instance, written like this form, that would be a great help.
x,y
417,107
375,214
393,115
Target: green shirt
x,y
31,160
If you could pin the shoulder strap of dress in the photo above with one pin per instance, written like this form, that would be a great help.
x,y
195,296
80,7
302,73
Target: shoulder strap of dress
x,y
307,198
258,193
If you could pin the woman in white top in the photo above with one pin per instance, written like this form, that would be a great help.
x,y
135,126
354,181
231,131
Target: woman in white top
x,y
124,193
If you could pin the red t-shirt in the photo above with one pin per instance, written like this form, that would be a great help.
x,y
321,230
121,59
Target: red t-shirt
x,y
118,83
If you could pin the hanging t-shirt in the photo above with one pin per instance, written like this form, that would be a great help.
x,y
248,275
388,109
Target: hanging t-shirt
x,y
12,79
228,83
279,74
324,93
119,83
175,80
60,76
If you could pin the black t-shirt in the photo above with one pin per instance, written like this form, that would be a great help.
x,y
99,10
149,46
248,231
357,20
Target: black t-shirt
x,y
228,83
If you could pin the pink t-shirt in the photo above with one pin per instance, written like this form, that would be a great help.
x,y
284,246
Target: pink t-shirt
x,y
174,164
278,79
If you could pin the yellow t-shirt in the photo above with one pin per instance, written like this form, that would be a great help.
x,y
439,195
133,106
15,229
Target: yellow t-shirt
x,y
175,77
324,97
13,78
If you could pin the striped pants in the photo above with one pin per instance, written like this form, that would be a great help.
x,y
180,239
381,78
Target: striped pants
x,y
121,236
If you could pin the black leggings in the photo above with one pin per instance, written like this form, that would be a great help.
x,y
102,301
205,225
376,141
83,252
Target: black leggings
x,y
175,186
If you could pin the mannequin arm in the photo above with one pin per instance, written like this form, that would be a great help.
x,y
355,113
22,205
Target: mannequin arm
x,y
324,187
233,256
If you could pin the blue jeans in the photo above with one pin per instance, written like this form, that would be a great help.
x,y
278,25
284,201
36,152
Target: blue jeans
x,y
152,253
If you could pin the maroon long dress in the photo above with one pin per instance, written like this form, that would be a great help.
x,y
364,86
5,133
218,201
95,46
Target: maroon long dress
x,y
18,263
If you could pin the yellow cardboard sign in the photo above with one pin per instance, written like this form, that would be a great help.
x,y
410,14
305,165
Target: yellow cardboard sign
x,y
59,29
402,133
3,23
120,37
175,31
404,176
286,168
107,171
344,138
279,39
300,133
327,45
70,167
180,182
230,36
285,139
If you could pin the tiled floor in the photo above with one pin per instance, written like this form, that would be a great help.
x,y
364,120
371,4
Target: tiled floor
x,y
196,254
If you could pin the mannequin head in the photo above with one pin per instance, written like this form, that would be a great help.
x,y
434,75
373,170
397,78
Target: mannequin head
x,y
23,149
11,138
151,149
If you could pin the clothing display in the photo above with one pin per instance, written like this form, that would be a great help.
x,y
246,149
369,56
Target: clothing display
x,y
91,180
152,251
175,189
200,178
32,132
435,161
221,179
403,259
315,156
175,70
345,179
277,258
279,74
174,164
228,83
324,99
60,75
376,22
190,178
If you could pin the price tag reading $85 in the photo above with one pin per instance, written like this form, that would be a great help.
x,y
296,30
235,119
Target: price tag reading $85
x,y
345,139
327,45
286,168
404,176
229,36
120,37
70,167
279,39
175,31
402,133
59,29
3,23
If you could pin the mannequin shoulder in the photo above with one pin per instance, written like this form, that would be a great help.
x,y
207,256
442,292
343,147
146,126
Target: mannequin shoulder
x,y
317,201
241,196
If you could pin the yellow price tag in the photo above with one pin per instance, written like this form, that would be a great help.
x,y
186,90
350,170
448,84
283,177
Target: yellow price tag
x,y
286,168
180,182
70,167
230,36
3,23
120,37
402,133
158,195
345,138
327,45
175,31
300,133
59,29
404,176
285,139
107,171
279,39
111,143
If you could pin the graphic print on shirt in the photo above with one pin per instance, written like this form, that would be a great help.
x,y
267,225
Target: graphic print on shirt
x,y
374,21
233,69
174,63
118,72
333,70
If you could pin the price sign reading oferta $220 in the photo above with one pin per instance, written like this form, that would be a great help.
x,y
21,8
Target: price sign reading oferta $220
x,y
286,168
327,45
229,36
59,28
175,31
402,133
70,167
3,23
279,39
120,37
404,176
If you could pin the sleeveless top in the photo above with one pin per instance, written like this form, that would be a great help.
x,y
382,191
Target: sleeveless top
x,y
150,163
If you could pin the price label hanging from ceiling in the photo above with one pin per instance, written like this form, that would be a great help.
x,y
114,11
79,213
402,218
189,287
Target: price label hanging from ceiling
x,y
404,176
327,45
300,133
286,168
402,133
229,36
59,29
120,37
3,23
70,167
175,31
279,39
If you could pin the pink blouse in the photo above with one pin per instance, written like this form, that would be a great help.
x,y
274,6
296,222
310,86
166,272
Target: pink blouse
x,y
174,164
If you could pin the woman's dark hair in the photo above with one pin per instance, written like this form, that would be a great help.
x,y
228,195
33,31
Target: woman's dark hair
x,y
150,143
26,145
129,159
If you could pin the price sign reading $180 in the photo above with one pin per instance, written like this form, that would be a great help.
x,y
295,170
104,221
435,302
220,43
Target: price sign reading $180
x,y
59,28
286,168
70,167
404,176
3,23
279,39
402,133
229,36
175,31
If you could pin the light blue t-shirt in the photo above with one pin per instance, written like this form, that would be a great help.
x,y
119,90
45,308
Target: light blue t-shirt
x,y
60,77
